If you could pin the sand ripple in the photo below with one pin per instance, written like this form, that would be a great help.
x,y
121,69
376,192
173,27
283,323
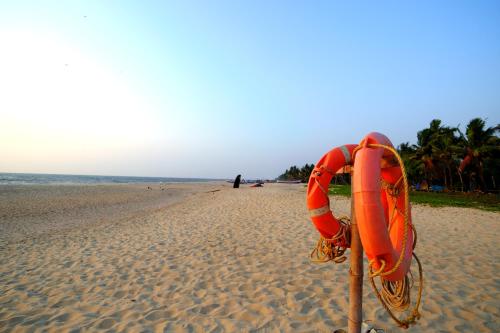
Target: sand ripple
x,y
235,260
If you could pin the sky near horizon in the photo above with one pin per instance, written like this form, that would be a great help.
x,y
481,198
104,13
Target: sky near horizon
x,y
214,89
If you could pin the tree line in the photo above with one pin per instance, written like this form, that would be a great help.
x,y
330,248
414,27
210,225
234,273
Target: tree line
x,y
444,158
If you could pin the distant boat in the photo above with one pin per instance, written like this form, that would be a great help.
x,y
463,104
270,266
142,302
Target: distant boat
x,y
289,181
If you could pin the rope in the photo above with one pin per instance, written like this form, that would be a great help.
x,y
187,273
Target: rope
x,y
317,173
376,273
327,249
396,295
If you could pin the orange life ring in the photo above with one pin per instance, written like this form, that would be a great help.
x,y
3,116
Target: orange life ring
x,y
382,208
318,202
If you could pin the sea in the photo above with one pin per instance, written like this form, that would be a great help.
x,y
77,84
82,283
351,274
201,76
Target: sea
x,y
38,178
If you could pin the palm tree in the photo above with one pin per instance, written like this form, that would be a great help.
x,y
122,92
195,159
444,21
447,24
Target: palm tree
x,y
294,173
305,172
414,166
436,153
481,147
426,149
291,174
447,148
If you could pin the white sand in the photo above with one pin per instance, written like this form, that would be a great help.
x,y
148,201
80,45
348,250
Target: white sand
x,y
230,260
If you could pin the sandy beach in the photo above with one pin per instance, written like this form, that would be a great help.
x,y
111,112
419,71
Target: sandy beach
x,y
209,258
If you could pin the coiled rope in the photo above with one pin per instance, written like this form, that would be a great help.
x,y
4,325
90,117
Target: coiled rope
x,y
327,249
396,296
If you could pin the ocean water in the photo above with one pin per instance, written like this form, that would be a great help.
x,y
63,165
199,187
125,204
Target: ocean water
x,y
36,178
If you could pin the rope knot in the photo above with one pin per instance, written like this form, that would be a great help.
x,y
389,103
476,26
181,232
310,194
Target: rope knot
x,y
381,265
320,170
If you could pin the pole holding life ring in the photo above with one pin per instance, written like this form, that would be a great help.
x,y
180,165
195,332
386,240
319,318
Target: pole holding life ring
x,y
381,213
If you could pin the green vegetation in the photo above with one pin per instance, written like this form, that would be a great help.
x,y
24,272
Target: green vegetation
x,y
463,167
490,202
343,190
444,158
295,173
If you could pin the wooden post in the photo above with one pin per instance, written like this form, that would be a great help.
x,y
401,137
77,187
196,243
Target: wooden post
x,y
355,316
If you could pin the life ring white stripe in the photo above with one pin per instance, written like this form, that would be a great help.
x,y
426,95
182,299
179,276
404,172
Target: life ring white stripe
x,y
319,211
347,156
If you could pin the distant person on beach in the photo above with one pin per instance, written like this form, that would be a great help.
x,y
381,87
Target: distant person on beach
x,y
237,181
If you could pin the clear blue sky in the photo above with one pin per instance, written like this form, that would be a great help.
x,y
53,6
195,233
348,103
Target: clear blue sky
x,y
216,88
